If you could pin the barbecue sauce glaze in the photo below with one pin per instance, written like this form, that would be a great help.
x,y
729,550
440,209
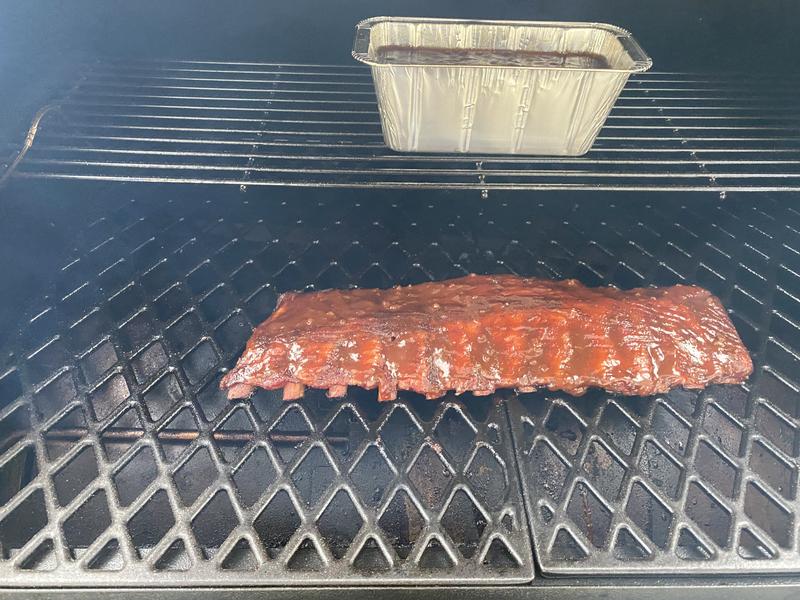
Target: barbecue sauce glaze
x,y
481,333
483,57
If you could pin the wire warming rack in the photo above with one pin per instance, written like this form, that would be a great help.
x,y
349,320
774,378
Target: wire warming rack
x,y
253,124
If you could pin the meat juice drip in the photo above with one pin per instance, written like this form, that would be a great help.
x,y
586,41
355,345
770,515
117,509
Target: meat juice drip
x,y
488,57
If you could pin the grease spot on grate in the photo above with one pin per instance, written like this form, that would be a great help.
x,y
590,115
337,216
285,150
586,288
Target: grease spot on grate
x,y
202,278
98,361
464,523
200,361
686,401
232,334
108,558
292,277
160,397
253,477
773,470
371,558
779,392
240,558
715,469
690,547
76,475
136,332
455,434
619,428
151,523
770,516
605,472
108,395
775,428
333,277
214,523
346,425
194,476
400,435
184,333
277,523
313,475
566,547
261,304
709,515
590,515
42,558
431,477
402,522
660,469
306,558
175,558
627,547
246,279
22,523
149,362
135,475
670,430
371,476
217,304
487,476
724,430
55,395
171,303
652,517
339,523
17,473
86,524
550,470
113,447
567,432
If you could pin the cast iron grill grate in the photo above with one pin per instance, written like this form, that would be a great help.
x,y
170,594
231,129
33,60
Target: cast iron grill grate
x,y
317,125
118,454
689,481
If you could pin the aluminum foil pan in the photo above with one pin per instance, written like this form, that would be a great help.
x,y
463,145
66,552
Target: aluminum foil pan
x,y
501,87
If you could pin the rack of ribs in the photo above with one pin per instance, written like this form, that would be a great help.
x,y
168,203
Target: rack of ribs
x,y
481,333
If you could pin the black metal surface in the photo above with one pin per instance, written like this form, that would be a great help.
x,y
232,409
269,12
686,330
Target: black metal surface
x,y
251,123
691,589
690,481
120,455
159,294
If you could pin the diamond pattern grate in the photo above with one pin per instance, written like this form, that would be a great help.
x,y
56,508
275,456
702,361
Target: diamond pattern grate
x,y
696,482
121,455
254,124
118,453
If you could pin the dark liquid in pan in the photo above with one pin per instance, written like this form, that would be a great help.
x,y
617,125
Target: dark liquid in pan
x,y
489,57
